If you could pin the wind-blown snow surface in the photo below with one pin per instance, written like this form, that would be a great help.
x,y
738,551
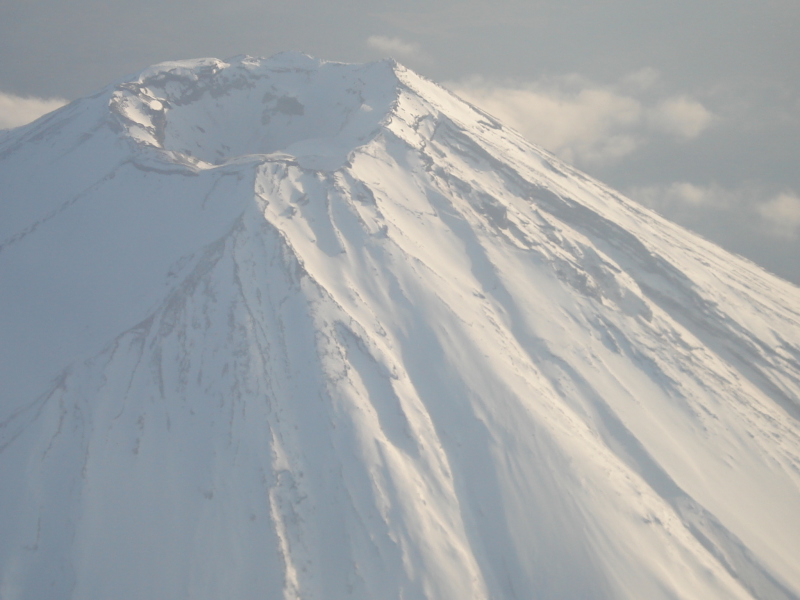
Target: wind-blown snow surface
x,y
292,329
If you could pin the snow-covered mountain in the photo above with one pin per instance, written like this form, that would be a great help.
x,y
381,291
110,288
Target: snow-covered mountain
x,y
293,329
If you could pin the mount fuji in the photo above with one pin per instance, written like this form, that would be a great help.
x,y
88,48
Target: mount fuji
x,y
291,329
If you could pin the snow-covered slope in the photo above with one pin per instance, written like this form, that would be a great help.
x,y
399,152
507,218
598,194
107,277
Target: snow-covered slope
x,y
292,329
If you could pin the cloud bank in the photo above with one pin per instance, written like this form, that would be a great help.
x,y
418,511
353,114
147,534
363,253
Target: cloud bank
x,y
18,110
587,123
782,214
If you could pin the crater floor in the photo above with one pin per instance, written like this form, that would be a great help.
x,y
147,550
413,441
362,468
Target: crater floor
x,y
291,104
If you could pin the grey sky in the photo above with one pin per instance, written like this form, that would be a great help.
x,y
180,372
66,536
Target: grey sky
x,y
692,107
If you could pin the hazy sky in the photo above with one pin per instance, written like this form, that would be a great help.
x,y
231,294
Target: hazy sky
x,y
691,107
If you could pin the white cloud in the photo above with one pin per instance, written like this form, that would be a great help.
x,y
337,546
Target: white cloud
x,y
782,214
18,110
673,198
681,117
641,80
588,123
394,47
591,124
755,210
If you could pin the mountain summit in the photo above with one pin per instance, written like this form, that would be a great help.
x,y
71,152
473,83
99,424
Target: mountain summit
x,y
286,328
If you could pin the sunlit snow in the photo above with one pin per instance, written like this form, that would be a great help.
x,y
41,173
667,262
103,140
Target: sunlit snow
x,y
285,328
